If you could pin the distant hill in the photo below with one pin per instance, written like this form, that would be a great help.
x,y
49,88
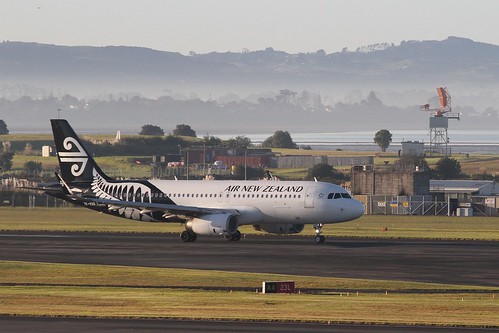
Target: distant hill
x,y
240,91
453,62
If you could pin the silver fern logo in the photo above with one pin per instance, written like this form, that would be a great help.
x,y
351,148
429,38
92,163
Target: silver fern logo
x,y
125,191
74,154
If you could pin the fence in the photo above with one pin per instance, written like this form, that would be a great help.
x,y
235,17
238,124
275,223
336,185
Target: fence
x,y
309,161
23,198
418,205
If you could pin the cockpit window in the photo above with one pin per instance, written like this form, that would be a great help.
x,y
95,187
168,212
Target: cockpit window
x,y
338,196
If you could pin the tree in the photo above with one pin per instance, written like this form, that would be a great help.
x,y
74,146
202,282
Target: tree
x,y
251,172
239,141
6,161
151,130
3,127
383,138
184,130
448,168
280,139
326,173
373,100
33,166
412,160
212,140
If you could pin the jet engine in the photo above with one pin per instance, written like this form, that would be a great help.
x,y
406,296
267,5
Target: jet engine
x,y
282,229
213,224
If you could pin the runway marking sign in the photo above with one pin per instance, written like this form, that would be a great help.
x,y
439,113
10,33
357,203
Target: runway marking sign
x,y
278,287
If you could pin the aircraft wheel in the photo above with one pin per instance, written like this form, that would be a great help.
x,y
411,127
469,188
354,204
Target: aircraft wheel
x,y
186,236
234,237
319,239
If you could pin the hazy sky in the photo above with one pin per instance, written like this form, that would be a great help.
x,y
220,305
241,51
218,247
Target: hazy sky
x,y
233,25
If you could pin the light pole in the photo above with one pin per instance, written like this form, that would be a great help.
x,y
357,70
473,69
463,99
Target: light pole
x,y
204,159
187,163
245,161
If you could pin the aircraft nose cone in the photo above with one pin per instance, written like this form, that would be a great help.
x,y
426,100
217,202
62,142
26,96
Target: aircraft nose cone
x,y
358,209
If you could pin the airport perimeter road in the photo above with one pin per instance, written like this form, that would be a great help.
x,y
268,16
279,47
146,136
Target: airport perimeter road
x,y
451,262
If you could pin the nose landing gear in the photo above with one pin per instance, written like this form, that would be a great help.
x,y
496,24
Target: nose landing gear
x,y
318,238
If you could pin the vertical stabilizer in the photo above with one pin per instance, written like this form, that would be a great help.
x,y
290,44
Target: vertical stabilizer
x,y
76,164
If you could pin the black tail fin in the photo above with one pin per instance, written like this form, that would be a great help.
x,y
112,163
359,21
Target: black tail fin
x,y
76,164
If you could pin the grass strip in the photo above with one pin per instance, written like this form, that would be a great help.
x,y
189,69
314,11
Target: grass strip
x,y
109,298
368,226
20,272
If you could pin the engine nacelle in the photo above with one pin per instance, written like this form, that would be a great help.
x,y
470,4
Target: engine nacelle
x,y
213,224
282,229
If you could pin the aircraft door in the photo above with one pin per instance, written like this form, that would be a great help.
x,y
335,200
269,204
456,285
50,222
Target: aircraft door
x,y
309,197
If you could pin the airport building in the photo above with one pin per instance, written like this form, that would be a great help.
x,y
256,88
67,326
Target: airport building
x,y
388,190
468,197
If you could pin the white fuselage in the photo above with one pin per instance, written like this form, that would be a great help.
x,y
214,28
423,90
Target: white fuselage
x,y
300,202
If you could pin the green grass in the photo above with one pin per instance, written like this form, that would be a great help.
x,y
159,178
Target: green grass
x,y
74,219
42,289
290,173
369,226
428,227
114,166
26,137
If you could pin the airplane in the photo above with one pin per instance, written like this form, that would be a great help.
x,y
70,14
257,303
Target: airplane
x,y
205,207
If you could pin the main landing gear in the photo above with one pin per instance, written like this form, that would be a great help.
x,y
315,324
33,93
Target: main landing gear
x,y
187,236
318,238
234,237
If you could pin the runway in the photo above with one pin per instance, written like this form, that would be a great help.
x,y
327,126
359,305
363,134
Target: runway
x,y
63,325
449,262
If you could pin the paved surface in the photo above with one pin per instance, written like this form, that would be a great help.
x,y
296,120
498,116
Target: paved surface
x,y
455,262
64,325
452,262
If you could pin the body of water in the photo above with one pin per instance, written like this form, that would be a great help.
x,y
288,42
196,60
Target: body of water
x,y
460,141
